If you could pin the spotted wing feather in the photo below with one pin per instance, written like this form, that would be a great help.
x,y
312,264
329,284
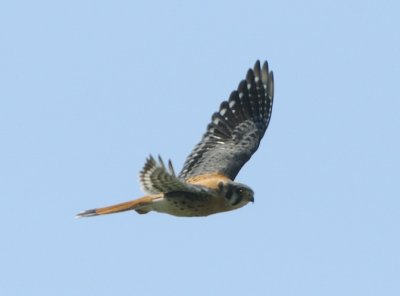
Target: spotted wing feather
x,y
236,130
156,177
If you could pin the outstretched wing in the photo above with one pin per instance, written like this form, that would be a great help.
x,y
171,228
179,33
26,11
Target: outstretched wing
x,y
236,130
156,178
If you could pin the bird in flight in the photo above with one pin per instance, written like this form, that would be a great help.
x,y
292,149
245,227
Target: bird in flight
x,y
206,183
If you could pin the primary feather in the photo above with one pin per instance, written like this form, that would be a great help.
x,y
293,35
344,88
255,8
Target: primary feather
x,y
236,130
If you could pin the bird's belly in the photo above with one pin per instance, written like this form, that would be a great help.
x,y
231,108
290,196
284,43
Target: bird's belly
x,y
190,205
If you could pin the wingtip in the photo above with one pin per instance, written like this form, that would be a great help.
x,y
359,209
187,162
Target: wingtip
x,y
265,65
257,65
271,83
250,76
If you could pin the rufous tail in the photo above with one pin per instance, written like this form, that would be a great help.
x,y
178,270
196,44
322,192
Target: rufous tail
x,y
141,205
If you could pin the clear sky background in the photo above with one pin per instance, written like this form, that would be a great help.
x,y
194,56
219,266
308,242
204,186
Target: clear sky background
x,y
90,88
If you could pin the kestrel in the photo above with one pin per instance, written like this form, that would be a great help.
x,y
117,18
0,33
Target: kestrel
x,y
206,183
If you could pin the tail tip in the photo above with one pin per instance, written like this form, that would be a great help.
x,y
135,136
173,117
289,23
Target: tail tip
x,y
88,213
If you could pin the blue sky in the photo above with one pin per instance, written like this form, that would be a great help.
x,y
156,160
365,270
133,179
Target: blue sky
x,y
90,88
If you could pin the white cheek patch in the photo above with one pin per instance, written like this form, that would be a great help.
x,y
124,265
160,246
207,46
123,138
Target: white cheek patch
x,y
236,198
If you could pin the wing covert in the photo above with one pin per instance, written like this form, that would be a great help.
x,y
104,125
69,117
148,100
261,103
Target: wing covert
x,y
236,130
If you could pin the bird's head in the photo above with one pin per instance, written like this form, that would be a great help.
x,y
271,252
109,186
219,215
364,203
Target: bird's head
x,y
237,194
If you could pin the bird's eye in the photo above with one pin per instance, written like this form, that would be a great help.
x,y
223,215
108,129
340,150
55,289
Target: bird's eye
x,y
239,190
